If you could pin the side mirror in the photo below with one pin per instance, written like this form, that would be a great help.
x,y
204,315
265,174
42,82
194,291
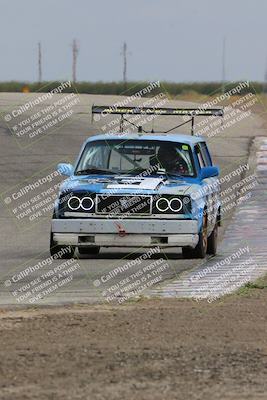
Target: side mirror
x,y
65,169
208,172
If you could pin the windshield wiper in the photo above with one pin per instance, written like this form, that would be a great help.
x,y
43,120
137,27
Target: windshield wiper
x,y
94,171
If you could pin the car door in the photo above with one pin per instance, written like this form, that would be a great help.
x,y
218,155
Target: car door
x,y
211,185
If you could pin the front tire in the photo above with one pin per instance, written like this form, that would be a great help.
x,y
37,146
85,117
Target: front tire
x,y
59,252
212,241
200,250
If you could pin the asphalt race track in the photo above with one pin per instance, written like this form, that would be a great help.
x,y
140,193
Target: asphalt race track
x,y
25,237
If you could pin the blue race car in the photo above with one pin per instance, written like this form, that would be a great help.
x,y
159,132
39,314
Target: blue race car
x,y
138,190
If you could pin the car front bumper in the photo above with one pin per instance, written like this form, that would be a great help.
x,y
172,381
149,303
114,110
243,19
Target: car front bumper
x,y
125,233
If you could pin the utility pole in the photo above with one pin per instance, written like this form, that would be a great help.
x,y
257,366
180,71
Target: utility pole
x,y
223,65
39,62
124,54
75,51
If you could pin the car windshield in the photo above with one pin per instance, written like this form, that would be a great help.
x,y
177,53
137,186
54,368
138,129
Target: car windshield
x,y
136,156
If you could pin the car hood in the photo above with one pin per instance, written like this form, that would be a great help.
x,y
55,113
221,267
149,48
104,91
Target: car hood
x,y
128,185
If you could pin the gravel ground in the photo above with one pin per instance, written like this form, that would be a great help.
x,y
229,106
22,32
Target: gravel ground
x,y
160,349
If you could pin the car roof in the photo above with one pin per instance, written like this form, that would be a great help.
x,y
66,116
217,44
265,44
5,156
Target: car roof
x,y
174,137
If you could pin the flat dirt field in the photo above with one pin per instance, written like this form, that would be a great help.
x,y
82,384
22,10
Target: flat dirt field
x,y
150,350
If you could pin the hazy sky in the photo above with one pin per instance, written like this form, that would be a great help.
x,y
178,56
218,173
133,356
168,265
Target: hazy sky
x,y
169,40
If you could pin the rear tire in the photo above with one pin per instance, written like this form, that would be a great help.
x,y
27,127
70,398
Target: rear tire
x,y
200,250
59,252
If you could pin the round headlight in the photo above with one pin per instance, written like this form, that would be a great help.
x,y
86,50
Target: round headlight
x,y
176,204
74,203
162,204
87,203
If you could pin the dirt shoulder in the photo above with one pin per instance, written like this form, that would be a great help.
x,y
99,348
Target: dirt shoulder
x,y
160,349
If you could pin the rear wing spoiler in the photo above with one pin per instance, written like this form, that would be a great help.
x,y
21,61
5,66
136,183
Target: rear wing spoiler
x,y
191,112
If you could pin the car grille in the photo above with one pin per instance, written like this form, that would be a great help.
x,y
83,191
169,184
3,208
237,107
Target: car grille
x,y
123,204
